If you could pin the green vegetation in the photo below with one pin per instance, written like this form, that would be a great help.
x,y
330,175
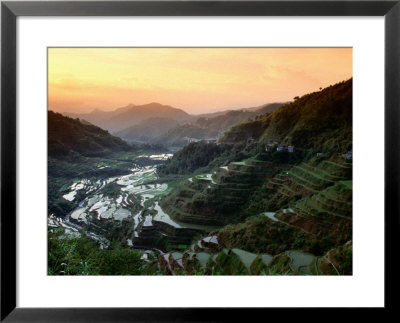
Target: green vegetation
x,y
221,195
229,265
338,260
258,234
211,259
310,193
82,256
112,190
316,223
190,158
319,121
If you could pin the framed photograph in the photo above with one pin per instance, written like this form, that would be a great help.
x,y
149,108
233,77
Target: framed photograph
x,y
164,158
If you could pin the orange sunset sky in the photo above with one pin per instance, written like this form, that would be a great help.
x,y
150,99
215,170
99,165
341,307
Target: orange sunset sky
x,y
197,80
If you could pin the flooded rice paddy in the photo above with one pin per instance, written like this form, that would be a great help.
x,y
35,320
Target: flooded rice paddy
x,y
133,198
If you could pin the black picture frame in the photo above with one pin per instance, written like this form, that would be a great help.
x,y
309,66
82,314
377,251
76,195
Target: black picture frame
x,y
11,10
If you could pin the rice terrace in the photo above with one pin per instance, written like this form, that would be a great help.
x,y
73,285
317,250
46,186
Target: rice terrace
x,y
244,169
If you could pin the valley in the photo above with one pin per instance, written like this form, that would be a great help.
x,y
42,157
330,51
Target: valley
x,y
126,209
271,196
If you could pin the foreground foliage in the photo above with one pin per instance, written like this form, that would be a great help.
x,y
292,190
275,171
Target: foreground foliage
x,y
82,256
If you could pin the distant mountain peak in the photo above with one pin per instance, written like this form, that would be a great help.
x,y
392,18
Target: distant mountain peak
x,y
156,105
124,117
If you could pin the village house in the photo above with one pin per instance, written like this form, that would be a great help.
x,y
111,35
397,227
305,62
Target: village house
x,y
349,155
291,149
280,148
189,140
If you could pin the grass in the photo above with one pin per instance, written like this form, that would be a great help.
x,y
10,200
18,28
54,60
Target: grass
x,y
82,256
321,171
313,174
331,163
305,182
348,184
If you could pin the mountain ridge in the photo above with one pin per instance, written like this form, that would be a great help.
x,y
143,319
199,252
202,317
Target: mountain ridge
x,y
68,136
125,119
210,127
130,115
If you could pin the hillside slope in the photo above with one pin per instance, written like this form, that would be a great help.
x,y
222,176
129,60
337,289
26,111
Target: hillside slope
x,y
179,135
321,121
67,135
147,129
276,201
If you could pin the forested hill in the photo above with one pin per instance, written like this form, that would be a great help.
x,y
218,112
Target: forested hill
x,y
321,120
67,135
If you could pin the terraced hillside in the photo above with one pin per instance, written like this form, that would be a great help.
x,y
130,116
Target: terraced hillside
x,y
207,257
323,213
286,205
218,197
244,188
300,181
309,233
307,208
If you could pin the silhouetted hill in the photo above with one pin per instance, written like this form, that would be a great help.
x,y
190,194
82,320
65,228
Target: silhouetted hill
x,y
130,115
267,108
67,135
